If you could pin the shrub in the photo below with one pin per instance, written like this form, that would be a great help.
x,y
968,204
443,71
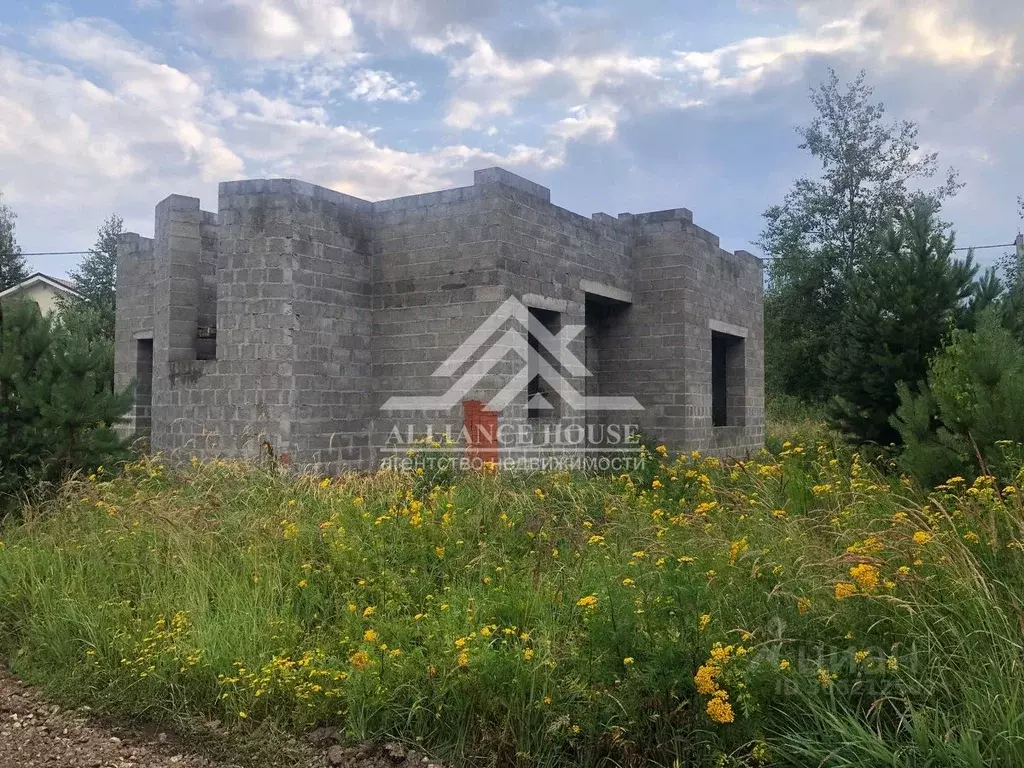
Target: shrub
x,y
969,418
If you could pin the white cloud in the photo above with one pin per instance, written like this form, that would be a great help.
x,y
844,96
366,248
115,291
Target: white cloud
x,y
934,36
376,85
353,161
603,87
253,103
103,46
418,17
490,84
887,32
271,29
171,100
597,121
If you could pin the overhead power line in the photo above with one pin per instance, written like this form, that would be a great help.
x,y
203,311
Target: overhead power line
x,y
763,258
55,253
983,247
962,248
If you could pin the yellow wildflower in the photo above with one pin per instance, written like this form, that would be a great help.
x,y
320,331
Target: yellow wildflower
x,y
720,653
360,660
865,575
736,549
706,679
845,589
719,709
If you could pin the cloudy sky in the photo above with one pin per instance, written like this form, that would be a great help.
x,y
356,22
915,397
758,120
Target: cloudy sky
x,y
617,105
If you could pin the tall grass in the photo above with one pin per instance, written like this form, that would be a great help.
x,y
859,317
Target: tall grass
x,y
797,609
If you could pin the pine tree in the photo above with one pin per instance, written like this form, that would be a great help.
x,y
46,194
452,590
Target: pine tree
x,y
57,410
12,263
828,228
901,307
24,346
968,419
80,410
96,279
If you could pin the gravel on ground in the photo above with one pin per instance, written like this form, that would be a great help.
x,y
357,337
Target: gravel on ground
x,y
35,733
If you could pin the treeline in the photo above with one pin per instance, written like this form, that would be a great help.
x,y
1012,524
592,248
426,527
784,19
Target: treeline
x,y
58,405
871,314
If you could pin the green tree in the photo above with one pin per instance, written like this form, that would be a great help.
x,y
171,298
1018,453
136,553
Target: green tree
x,y
80,410
57,411
900,308
96,281
24,345
828,228
1010,264
12,263
968,418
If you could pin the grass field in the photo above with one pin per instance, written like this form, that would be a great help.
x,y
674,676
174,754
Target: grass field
x,y
797,609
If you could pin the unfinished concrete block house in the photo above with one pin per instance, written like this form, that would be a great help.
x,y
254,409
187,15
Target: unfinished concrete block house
x,y
294,318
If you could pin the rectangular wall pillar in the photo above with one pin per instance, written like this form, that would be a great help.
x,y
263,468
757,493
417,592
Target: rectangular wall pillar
x,y
177,289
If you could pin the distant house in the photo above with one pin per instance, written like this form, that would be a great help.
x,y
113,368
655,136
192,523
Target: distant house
x,y
42,289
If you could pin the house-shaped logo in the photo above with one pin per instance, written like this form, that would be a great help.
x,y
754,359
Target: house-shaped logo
x,y
477,356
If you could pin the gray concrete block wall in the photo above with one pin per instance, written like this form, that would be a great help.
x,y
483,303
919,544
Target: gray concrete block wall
x,y
134,317
332,373
547,253
684,283
209,237
436,277
177,278
327,305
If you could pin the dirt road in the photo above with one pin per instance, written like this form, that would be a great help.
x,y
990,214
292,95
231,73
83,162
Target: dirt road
x,y
35,733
